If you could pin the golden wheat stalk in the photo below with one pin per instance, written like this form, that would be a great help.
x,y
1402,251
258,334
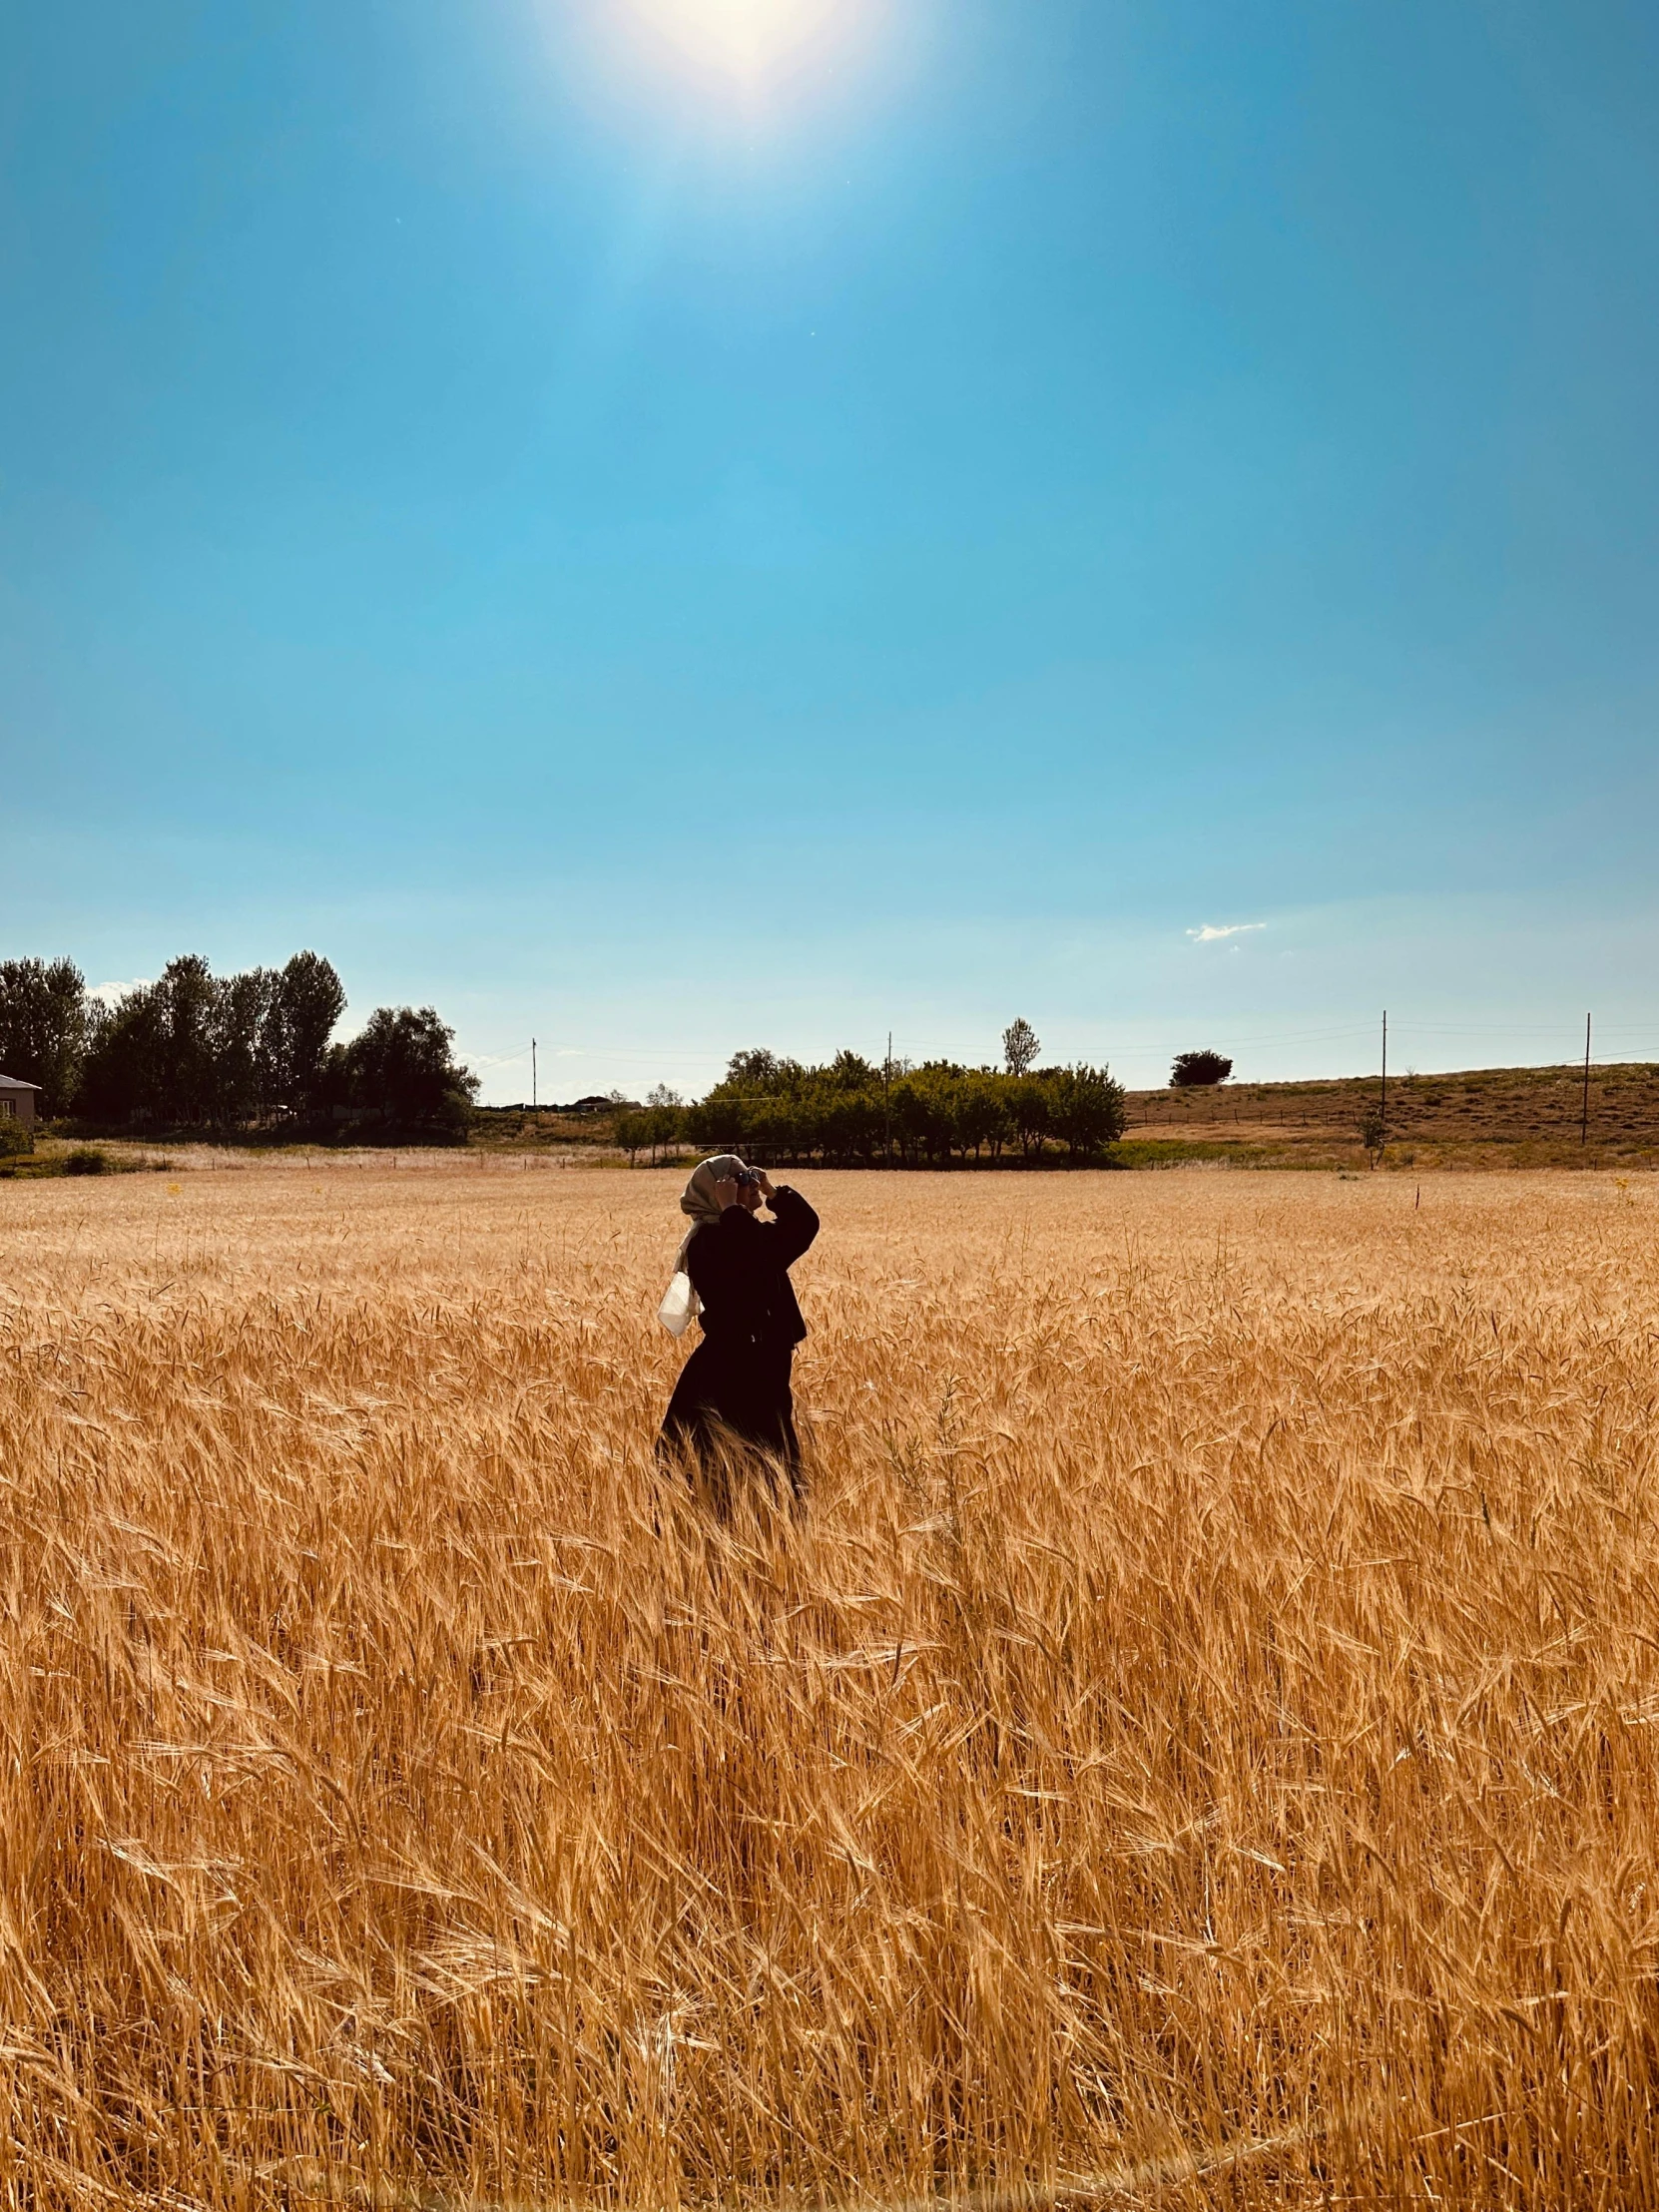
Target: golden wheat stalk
x,y
1211,1701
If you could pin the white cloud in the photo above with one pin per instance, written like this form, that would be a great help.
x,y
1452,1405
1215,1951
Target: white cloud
x,y
1211,930
111,994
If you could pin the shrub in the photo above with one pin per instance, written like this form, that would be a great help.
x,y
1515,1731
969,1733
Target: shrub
x,y
86,1159
15,1139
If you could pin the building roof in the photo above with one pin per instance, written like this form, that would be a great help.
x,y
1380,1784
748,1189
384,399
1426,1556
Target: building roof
x,y
11,1083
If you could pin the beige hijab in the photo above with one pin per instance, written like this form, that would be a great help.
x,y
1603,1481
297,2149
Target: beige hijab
x,y
698,1198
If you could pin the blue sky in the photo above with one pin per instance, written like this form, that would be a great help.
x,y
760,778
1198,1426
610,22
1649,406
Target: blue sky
x,y
665,555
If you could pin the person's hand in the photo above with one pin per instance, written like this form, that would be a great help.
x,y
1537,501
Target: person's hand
x,y
765,1182
725,1190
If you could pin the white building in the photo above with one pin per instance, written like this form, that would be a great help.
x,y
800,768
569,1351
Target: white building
x,y
17,1100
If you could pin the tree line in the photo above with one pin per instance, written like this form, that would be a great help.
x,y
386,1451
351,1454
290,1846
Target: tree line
x,y
855,1112
254,1050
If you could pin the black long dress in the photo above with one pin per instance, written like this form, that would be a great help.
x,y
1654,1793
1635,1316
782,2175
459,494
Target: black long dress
x,y
735,1387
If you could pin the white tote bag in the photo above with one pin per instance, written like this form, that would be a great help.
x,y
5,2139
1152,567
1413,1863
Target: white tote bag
x,y
681,1304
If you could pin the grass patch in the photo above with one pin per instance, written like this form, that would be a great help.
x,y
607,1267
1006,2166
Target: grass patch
x,y
1183,1152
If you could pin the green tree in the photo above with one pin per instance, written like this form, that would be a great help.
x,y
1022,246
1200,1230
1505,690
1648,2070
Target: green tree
x,y
667,1128
306,1006
153,1055
944,1085
851,1123
633,1133
121,1071
850,1071
239,1026
1020,1045
1194,1069
44,1025
1085,1109
923,1107
663,1119
776,1110
401,1068
187,1001
1027,1097
756,1101
720,1122
759,1074
982,1116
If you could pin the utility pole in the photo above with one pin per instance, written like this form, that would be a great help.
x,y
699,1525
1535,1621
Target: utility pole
x,y
1383,1110
532,1075
886,1107
1585,1114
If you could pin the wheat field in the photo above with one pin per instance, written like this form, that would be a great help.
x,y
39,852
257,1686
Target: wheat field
x,y
1200,1748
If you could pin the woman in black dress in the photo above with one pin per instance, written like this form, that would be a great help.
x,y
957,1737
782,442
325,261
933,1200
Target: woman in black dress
x,y
732,1400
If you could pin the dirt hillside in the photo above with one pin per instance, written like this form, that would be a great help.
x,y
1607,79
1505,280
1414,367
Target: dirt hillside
x,y
1481,1117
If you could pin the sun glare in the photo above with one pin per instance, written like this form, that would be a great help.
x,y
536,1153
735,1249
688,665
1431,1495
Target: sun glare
x,y
746,43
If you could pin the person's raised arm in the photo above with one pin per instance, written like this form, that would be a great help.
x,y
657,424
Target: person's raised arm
x,y
795,1223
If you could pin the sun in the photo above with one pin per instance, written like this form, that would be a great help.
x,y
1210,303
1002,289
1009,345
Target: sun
x,y
746,42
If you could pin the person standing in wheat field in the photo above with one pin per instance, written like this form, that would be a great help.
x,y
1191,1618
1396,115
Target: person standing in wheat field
x,y
733,1406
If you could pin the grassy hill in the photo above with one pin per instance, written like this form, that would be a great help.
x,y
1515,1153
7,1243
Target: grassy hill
x,y
1479,1117
541,1129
